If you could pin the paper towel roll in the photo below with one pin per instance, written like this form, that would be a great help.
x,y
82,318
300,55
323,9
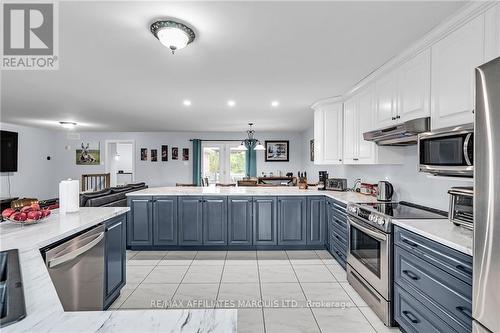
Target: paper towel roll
x,y
69,196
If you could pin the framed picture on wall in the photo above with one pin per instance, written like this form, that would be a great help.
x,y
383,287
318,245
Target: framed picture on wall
x,y
154,155
311,150
164,153
144,154
175,153
89,153
277,151
185,154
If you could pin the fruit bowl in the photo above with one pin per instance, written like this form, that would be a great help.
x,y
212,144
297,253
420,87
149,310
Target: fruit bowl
x,y
31,214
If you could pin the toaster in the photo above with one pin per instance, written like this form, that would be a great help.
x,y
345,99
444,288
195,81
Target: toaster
x,y
336,184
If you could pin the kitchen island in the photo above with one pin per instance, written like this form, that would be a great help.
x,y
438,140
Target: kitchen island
x,y
201,218
44,310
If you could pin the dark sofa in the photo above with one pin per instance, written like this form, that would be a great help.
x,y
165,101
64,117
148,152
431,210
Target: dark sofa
x,y
110,197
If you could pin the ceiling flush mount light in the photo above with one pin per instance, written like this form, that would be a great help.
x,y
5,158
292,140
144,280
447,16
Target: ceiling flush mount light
x,y
275,103
250,141
172,34
186,102
231,103
67,124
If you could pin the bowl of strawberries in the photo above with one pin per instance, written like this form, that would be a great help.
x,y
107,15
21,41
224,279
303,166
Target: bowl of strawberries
x,y
30,214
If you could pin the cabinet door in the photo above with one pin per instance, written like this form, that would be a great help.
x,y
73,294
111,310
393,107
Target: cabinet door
x,y
292,220
492,31
333,134
264,221
140,222
239,220
114,255
415,87
190,220
365,114
215,221
453,61
350,128
319,135
165,221
316,226
386,100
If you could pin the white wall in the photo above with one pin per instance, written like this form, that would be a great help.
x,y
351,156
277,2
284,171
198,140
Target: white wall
x,y
409,184
35,176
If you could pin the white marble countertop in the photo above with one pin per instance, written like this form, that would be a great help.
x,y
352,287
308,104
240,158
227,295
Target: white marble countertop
x,y
345,197
441,231
44,310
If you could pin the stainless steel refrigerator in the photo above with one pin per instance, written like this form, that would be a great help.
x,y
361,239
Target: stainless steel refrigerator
x,y
486,275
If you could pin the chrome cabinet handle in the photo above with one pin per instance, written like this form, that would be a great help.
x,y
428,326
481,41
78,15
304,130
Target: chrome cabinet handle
x,y
411,275
411,317
465,311
114,226
464,269
73,254
409,242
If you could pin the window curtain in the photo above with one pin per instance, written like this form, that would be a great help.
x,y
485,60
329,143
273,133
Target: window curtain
x,y
251,158
197,162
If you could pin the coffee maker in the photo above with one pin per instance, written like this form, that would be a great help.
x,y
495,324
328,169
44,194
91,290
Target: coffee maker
x,y
323,176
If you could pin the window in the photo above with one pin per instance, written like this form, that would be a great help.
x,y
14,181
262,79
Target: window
x,y
222,162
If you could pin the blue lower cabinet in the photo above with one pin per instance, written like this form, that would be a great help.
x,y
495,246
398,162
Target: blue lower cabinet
x,y
316,221
239,220
414,317
214,221
165,221
292,218
140,221
115,258
265,215
190,220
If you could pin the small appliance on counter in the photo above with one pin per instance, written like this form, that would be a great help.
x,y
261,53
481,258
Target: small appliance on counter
x,y
323,177
336,184
385,190
368,189
302,181
461,206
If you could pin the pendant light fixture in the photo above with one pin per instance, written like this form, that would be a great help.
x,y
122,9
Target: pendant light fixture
x,y
250,141
172,34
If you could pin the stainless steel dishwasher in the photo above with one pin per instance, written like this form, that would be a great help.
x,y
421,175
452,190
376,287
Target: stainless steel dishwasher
x,y
76,267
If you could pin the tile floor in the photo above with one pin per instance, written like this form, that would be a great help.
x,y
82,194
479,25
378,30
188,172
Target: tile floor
x,y
274,291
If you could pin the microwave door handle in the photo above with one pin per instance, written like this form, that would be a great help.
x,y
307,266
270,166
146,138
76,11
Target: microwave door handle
x,y
73,254
369,232
466,149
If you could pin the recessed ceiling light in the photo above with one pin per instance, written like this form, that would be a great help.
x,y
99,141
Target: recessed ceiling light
x,y
186,102
275,103
231,103
67,124
172,34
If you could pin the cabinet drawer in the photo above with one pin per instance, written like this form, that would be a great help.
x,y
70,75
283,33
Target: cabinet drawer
x,y
340,237
414,317
338,223
448,293
338,254
454,262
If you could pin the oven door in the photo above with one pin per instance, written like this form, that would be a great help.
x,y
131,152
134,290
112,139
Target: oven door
x,y
369,254
447,153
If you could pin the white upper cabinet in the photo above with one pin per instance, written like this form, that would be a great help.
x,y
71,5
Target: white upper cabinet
x,y
366,113
414,88
328,132
453,61
350,131
492,31
386,100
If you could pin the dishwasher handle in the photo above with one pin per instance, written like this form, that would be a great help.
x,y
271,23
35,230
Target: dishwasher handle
x,y
73,254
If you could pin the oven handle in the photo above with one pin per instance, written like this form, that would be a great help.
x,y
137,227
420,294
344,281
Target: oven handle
x,y
377,235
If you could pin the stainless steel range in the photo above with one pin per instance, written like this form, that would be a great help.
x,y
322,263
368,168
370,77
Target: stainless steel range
x,y
370,247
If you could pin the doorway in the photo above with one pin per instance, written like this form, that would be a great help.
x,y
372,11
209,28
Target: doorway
x,y
120,161
222,162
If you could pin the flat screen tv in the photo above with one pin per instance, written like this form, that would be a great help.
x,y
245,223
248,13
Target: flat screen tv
x,y
8,151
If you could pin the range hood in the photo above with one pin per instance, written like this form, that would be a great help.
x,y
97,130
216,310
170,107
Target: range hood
x,y
403,134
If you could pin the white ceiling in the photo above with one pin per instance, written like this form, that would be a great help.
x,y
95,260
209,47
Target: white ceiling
x,y
115,76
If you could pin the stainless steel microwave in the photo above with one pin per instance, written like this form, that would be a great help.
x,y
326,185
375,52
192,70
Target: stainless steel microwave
x,y
448,152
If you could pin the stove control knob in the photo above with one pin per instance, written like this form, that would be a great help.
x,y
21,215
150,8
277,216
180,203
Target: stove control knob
x,y
372,218
353,209
380,220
